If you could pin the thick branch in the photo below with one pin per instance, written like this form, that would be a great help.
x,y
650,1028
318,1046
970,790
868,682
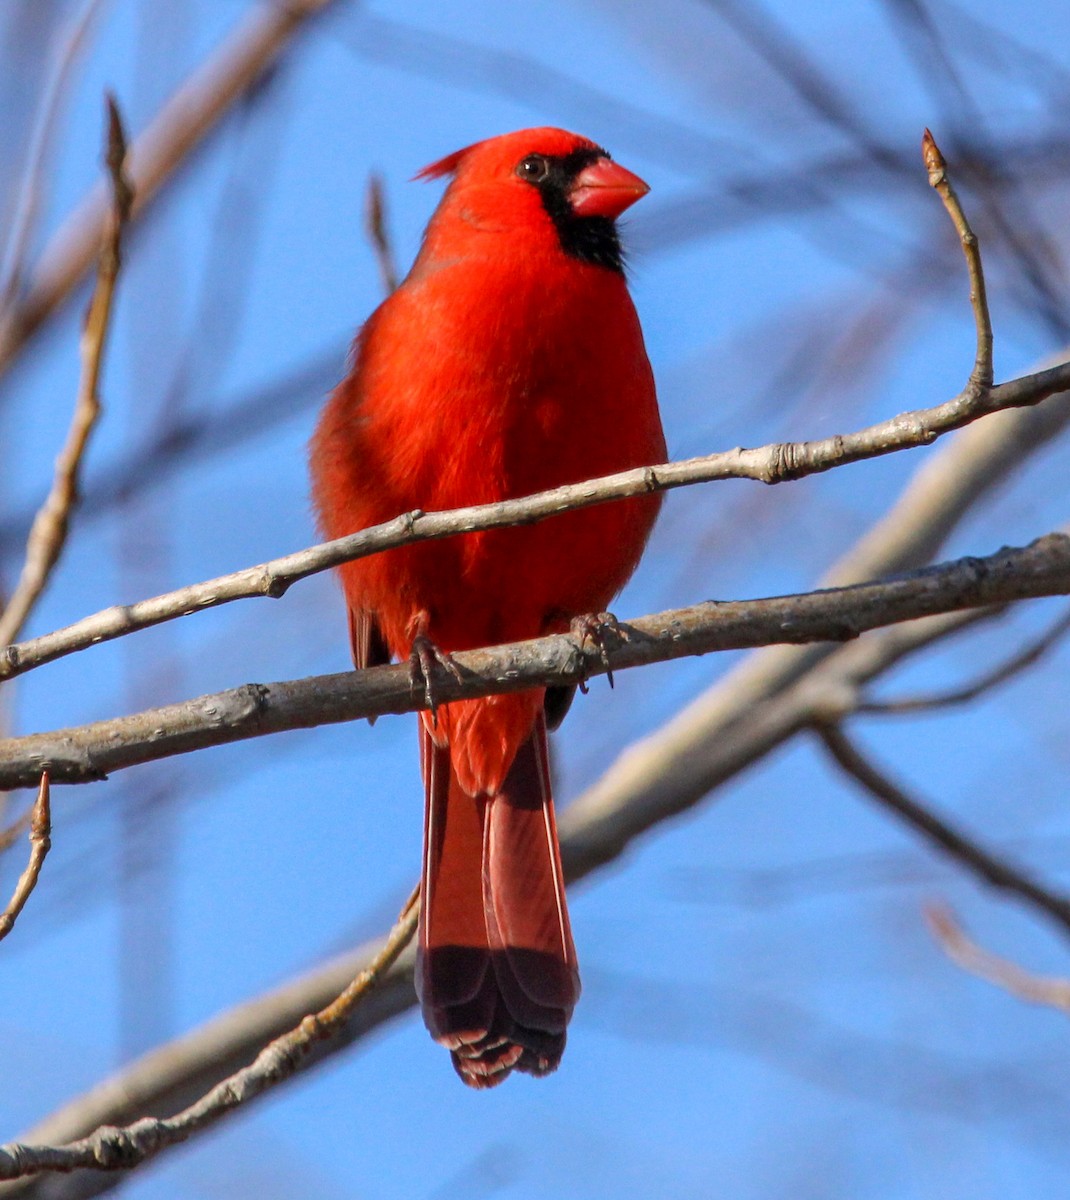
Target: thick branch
x,y
91,751
769,464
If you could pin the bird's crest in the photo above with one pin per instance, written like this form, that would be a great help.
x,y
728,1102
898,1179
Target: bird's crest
x,y
444,166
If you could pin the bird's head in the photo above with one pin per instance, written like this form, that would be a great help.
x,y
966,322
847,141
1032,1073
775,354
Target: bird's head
x,y
541,183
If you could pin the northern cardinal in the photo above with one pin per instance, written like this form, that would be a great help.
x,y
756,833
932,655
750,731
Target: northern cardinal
x,y
510,360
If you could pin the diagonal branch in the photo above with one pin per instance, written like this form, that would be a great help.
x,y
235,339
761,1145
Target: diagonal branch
x,y
940,833
254,710
49,531
111,1148
40,844
963,950
1000,673
774,463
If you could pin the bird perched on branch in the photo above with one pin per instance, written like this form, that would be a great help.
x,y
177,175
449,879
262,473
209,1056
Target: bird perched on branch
x,y
510,360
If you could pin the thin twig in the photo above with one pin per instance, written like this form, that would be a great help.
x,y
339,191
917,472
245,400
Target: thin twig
x,y
375,222
961,949
49,531
774,463
255,710
939,832
40,844
111,1149
992,678
982,374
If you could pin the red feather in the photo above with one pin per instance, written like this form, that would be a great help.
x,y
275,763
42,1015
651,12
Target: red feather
x,y
509,361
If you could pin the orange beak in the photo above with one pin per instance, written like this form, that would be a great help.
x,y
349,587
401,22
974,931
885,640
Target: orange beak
x,y
605,189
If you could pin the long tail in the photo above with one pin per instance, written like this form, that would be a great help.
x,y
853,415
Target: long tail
x,y
497,974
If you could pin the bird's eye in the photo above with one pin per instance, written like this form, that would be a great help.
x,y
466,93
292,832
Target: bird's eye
x,y
533,169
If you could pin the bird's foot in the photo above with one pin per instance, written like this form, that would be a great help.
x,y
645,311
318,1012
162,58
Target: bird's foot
x,y
603,630
424,657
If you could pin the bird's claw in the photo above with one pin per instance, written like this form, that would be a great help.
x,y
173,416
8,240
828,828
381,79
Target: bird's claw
x,y
603,630
424,657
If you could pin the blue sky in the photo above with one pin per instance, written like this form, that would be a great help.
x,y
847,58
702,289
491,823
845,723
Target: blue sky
x,y
764,1014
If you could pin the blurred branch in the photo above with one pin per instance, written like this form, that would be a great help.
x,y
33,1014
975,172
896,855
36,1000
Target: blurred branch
x,y
13,260
375,222
10,835
40,844
992,678
216,429
48,534
180,126
1032,251
770,464
254,710
450,60
111,1148
816,88
937,831
961,949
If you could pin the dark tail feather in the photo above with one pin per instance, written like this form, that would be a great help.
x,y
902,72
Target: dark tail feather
x,y
497,973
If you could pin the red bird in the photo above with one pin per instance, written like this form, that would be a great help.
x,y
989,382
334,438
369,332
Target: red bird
x,y
510,360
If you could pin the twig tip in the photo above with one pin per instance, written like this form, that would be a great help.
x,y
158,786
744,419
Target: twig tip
x,y
930,153
117,141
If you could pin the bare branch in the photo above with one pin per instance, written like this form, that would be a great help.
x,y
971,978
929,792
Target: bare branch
x,y
773,463
961,949
938,832
199,436
375,222
776,692
254,710
180,126
48,534
40,844
111,1148
1001,673
981,375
